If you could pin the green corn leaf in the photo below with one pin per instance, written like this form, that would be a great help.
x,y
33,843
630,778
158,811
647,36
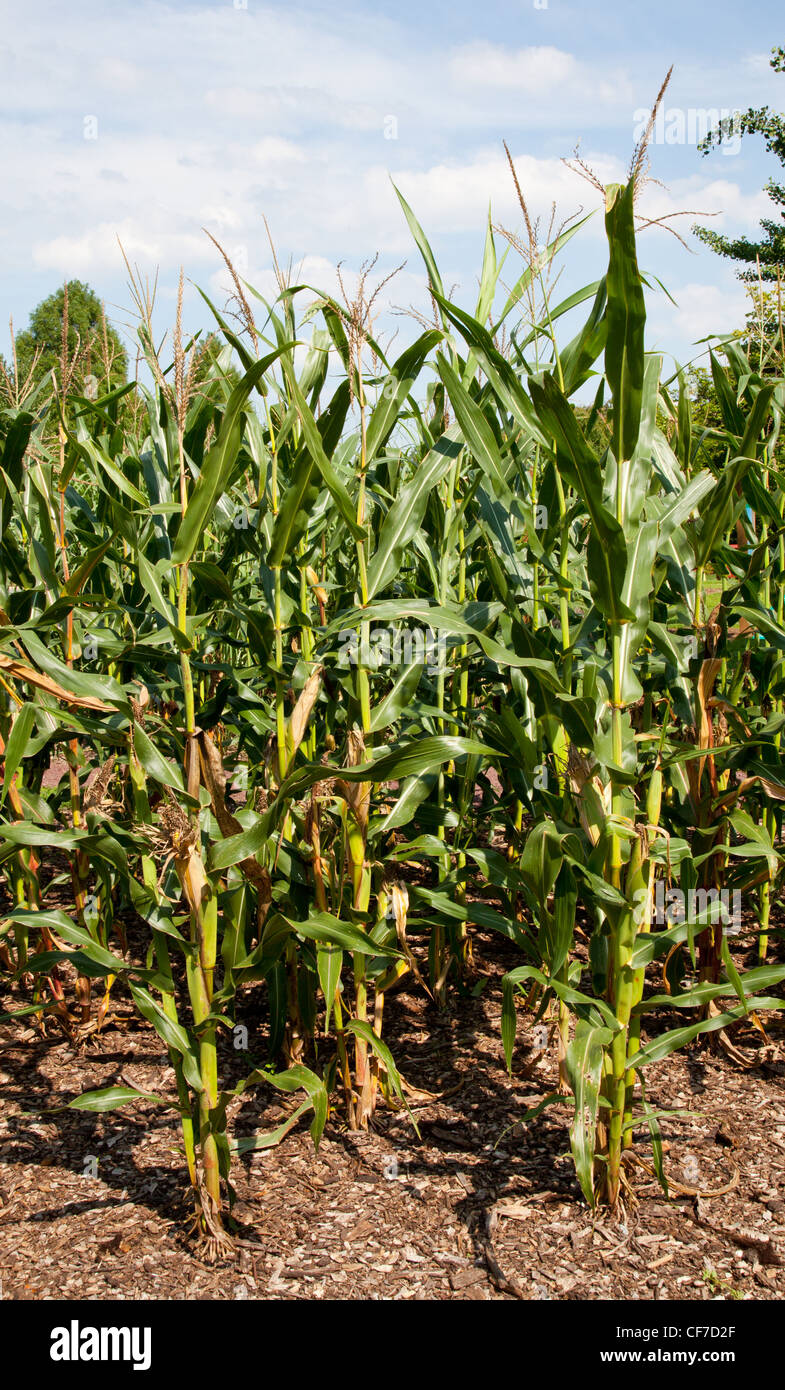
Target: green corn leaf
x,y
329,961
382,1051
676,1038
111,1098
584,1063
172,1033
16,747
396,388
422,244
477,432
322,926
656,1140
509,1020
624,350
406,514
252,1143
220,462
160,769
330,478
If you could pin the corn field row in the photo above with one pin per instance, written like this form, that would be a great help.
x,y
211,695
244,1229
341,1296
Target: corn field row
x,y
344,657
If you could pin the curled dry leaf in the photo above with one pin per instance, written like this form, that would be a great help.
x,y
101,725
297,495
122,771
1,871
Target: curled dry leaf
x,y
20,671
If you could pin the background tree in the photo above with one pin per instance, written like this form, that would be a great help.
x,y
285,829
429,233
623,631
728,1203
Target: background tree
x,y
70,325
763,338
768,253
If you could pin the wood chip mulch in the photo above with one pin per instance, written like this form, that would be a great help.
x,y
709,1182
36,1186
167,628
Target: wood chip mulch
x,y
480,1206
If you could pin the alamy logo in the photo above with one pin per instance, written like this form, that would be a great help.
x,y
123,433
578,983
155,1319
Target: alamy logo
x,y
77,1343
689,125
387,646
702,906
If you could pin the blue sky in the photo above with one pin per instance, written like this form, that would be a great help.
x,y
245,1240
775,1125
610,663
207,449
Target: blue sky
x,y
150,121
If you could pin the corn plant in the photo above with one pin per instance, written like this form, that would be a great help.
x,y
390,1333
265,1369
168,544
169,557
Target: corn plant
x,y
634,505
205,581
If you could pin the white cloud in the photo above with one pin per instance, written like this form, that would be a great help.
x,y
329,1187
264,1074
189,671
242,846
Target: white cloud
x,y
272,150
528,70
701,309
455,196
213,117
721,204
119,75
290,106
97,250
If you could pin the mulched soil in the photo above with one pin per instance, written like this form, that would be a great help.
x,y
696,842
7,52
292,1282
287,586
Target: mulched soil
x,y
479,1206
